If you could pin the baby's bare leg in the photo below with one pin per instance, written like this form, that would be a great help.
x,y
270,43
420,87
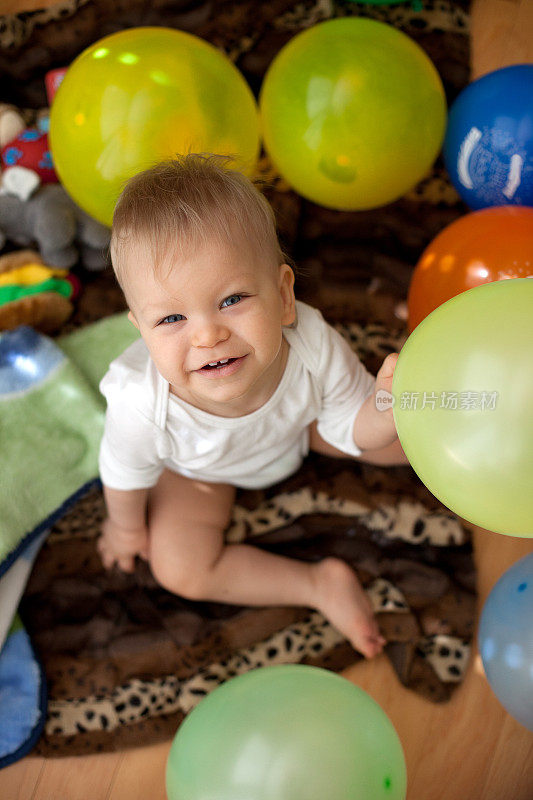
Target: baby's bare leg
x,y
188,556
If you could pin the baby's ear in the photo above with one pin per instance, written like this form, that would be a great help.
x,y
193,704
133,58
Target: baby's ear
x,y
133,320
286,287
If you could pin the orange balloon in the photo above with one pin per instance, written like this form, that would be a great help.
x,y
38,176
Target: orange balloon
x,y
485,246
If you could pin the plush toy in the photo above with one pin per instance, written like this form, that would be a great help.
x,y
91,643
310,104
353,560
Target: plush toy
x,y
33,293
44,215
30,149
63,232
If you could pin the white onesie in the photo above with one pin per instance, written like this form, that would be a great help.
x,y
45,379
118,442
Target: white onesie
x,y
148,428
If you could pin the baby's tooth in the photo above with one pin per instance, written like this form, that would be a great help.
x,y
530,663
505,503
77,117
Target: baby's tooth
x,y
216,363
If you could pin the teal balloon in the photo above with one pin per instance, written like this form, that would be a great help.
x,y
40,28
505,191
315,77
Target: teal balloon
x,y
463,392
289,732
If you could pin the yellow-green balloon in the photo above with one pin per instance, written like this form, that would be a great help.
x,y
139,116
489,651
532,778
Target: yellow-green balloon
x,y
287,733
353,113
463,393
142,95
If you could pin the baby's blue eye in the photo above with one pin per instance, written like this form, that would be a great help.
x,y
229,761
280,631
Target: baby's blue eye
x,y
172,318
231,300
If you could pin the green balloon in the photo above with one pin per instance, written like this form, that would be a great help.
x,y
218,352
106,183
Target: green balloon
x,y
287,733
468,369
353,113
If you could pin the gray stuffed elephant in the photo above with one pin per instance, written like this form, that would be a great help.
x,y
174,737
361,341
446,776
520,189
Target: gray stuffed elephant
x,y
63,233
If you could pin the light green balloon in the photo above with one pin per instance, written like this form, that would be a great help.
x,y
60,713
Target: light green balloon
x,y
478,461
353,113
287,733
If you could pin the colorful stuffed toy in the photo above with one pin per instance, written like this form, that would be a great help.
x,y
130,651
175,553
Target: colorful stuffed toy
x,y
32,293
34,208
63,232
30,149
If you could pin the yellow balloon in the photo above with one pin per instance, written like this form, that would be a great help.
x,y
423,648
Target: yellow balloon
x,y
142,95
353,113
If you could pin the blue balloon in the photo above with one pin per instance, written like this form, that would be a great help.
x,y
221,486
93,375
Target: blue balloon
x,y
26,359
505,640
488,148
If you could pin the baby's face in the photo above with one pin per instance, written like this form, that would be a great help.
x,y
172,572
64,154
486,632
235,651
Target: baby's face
x,y
224,305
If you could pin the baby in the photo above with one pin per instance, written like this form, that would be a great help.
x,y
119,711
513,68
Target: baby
x,y
231,385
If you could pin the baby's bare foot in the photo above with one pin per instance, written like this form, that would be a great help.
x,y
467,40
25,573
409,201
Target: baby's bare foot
x,y
342,600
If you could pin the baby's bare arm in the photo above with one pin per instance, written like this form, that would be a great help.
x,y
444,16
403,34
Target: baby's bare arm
x,y
127,509
124,532
374,429
388,456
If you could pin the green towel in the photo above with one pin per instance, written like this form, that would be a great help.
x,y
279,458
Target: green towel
x,y
51,421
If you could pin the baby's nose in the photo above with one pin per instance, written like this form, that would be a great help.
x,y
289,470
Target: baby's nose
x,y
208,333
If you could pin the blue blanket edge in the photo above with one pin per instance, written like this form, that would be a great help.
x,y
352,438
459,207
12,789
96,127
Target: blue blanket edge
x,y
35,735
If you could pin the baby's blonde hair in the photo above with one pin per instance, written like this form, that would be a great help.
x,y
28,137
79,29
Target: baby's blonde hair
x,y
186,202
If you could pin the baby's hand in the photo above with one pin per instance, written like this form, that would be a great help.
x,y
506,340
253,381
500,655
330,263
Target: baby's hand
x,y
119,546
385,374
374,429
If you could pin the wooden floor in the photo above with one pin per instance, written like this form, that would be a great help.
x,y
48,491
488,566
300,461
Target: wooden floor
x,y
468,749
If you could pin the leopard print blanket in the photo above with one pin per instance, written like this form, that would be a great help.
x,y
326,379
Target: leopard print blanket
x,y
125,661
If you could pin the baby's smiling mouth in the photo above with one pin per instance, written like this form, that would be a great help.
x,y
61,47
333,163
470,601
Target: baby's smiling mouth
x,y
218,364
222,366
